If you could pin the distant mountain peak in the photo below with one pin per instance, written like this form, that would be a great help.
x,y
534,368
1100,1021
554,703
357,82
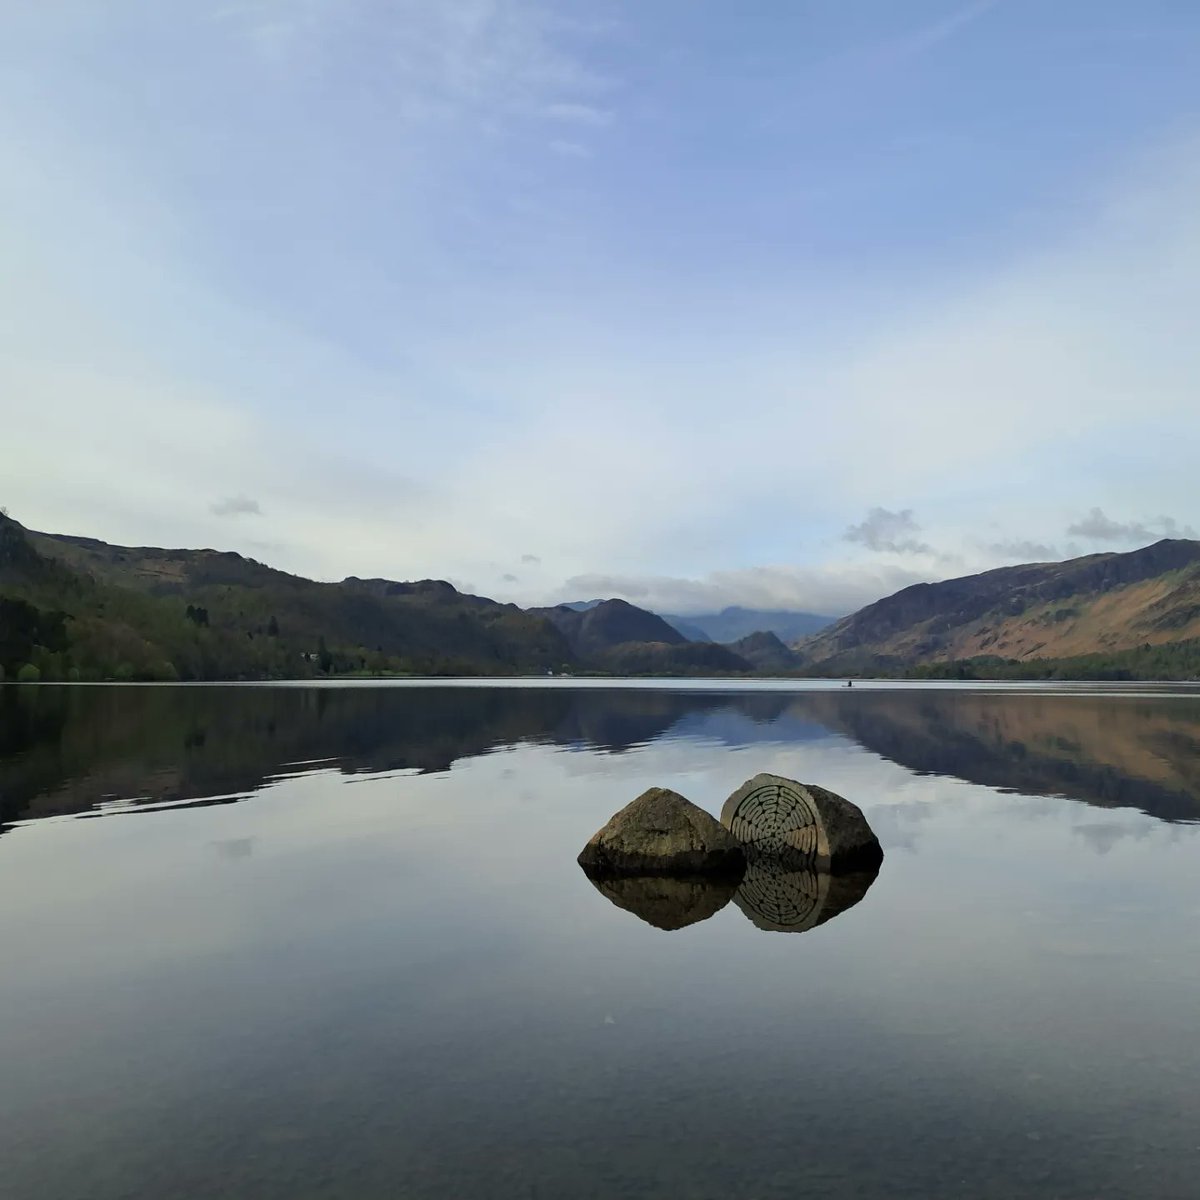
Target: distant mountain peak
x,y
734,622
766,652
609,623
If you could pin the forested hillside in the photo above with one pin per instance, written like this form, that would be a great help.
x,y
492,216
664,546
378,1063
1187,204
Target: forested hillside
x,y
76,608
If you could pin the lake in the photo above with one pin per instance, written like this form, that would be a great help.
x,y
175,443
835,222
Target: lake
x,y
331,941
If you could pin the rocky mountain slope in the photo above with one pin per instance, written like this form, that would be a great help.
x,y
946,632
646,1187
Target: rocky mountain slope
x,y
609,623
1100,604
766,653
617,636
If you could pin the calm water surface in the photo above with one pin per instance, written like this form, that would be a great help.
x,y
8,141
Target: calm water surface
x,y
332,942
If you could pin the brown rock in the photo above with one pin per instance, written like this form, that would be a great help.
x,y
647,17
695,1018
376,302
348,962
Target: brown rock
x,y
800,825
661,833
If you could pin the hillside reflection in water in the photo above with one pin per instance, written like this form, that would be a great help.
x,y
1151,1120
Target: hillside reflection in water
x,y
67,750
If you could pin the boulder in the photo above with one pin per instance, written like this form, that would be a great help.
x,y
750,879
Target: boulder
x,y
800,825
661,833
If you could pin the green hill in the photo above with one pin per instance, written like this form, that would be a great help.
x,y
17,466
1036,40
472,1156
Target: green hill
x,y
78,608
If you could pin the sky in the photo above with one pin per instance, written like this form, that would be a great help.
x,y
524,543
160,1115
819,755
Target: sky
x,y
787,305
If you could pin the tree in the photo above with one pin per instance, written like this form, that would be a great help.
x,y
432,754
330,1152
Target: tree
x,y
324,658
273,628
29,674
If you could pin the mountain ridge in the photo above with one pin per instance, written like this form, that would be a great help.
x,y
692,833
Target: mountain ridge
x,y
80,608
1109,602
75,607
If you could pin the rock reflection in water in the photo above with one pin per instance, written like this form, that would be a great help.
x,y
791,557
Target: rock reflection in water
x,y
667,902
772,895
780,899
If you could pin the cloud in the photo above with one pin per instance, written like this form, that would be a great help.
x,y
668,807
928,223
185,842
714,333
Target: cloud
x,y
530,558
237,506
570,149
579,114
920,41
491,60
509,579
884,530
1098,527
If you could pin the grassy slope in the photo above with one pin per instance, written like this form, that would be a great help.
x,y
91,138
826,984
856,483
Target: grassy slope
x,y
127,615
1103,605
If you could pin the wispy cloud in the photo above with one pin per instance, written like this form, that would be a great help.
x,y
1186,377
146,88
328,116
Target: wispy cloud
x,y
1098,527
579,114
920,41
237,506
890,532
492,60
570,149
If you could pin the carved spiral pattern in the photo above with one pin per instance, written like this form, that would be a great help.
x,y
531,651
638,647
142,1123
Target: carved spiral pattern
x,y
783,900
779,821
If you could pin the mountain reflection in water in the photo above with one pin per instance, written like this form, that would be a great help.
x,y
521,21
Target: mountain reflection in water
x,y
68,750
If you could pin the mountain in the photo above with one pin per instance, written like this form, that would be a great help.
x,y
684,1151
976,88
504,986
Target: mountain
x,y
620,638
731,624
607,624
656,658
77,607
1131,603
766,653
692,632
